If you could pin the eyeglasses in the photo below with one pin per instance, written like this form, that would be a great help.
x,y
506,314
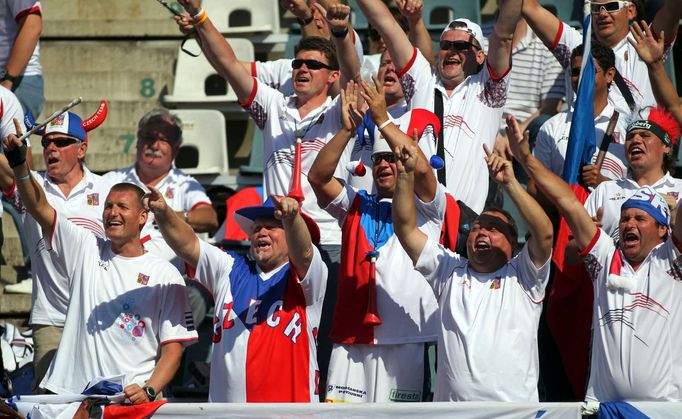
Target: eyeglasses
x,y
59,142
456,45
310,64
611,6
387,157
575,72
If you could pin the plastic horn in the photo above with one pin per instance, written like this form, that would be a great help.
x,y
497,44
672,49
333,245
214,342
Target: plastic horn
x,y
372,317
71,104
606,141
295,191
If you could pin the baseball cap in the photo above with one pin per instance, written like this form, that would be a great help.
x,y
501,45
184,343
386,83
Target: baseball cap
x,y
651,202
246,216
465,25
68,124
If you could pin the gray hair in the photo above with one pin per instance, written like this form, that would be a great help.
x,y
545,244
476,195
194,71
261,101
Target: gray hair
x,y
162,114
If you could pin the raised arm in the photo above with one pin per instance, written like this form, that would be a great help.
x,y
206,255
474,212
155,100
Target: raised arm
x,y
321,174
338,19
542,21
218,51
552,186
650,49
667,19
540,242
419,34
32,195
500,45
296,232
177,233
396,40
29,28
425,180
404,212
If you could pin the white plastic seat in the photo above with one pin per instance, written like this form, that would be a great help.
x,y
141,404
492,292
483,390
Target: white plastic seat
x,y
196,81
241,16
204,144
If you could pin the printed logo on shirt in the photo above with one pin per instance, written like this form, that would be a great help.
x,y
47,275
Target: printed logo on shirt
x,y
617,196
345,391
405,396
170,193
130,324
189,320
495,284
142,278
93,199
104,264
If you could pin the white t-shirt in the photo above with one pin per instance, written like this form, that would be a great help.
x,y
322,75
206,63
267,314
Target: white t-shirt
x,y
277,73
488,349
631,67
11,109
552,141
10,12
182,193
610,195
636,337
265,328
122,309
471,118
405,302
281,123
83,207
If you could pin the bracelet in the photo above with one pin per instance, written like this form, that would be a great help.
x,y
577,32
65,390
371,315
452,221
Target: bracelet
x,y
382,126
198,15
341,34
23,178
305,22
202,19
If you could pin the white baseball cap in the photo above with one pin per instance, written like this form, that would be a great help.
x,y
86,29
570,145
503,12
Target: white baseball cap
x,y
465,25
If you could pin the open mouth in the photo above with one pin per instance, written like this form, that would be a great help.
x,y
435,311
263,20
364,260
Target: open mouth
x,y
263,244
635,151
630,239
482,245
52,160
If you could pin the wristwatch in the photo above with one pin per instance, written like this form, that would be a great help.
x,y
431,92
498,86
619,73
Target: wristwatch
x,y
4,75
150,392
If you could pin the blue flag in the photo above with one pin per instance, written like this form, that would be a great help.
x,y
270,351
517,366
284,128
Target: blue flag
x,y
581,139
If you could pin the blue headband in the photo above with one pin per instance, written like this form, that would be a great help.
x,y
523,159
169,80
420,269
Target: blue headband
x,y
650,202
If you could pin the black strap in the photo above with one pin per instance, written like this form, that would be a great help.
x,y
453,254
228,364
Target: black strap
x,y
440,148
624,90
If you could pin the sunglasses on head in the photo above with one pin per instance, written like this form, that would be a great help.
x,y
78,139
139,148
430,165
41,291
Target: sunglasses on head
x,y
59,142
310,64
611,6
456,45
387,157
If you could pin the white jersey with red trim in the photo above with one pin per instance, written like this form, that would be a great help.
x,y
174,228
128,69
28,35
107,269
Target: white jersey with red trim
x,y
265,328
10,12
552,141
636,323
488,342
278,117
83,207
629,65
471,118
611,194
182,193
277,73
121,310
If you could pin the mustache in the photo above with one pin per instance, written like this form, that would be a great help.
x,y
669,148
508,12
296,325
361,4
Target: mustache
x,y
153,153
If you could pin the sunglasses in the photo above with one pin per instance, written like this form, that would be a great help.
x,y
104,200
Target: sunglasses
x,y
456,45
59,142
611,6
387,157
310,64
575,72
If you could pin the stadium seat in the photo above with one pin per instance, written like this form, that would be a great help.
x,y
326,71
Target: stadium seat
x,y
204,144
197,82
438,13
243,16
357,18
255,166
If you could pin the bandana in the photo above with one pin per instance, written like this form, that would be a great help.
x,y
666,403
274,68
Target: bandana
x,y
649,201
654,128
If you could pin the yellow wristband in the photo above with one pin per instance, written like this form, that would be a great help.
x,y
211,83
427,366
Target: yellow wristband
x,y
202,18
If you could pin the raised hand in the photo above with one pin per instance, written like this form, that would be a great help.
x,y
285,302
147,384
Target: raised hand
x,y
286,209
15,149
645,43
411,9
192,6
374,96
154,201
591,175
499,168
185,23
337,16
298,8
518,141
406,157
351,113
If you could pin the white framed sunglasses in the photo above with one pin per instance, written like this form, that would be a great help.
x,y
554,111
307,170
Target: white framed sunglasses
x,y
610,6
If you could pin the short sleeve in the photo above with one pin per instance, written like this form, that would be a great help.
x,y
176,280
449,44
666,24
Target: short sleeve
x,y
262,103
276,74
339,207
69,243
433,211
314,283
11,109
195,194
21,8
544,147
214,266
533,280
437,265
176,321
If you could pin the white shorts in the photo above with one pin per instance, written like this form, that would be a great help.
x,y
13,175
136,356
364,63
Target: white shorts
x,y
376,373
